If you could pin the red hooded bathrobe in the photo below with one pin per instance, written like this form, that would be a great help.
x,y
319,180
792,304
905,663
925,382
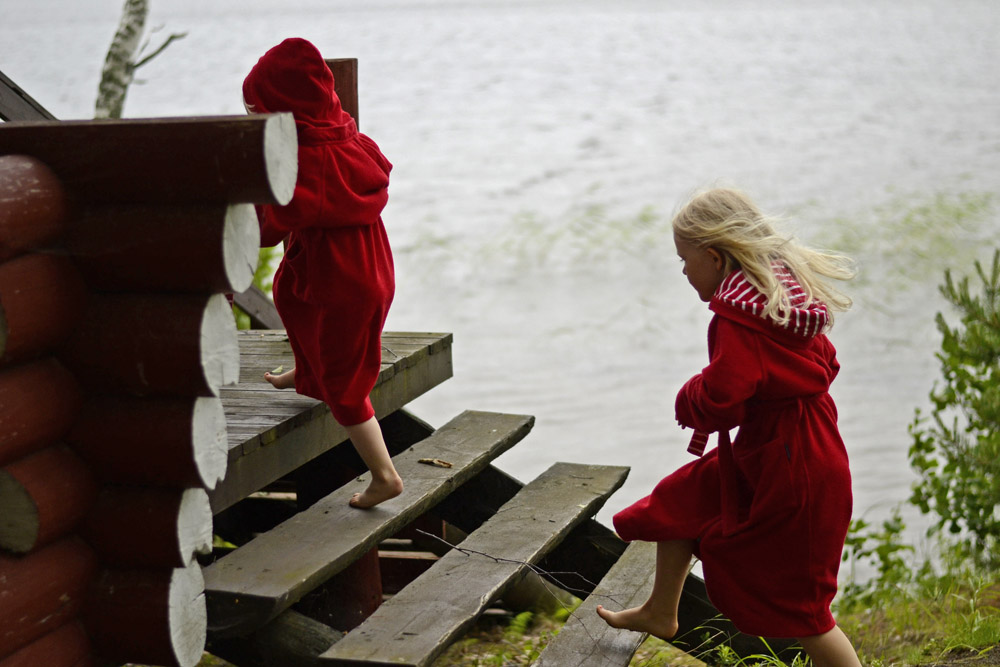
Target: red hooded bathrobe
x,y
769,511
336,280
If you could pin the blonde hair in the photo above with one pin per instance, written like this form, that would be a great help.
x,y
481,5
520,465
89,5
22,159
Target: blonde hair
x,y
728,221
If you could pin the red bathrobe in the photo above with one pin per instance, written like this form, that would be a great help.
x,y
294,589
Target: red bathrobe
x,y
769,511
336,280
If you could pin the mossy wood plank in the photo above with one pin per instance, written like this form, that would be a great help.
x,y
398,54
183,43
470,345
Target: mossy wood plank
x,y
418,623
585,555
586,640
256,582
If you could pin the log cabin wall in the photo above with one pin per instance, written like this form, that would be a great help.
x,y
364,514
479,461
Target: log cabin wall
x,y
118,243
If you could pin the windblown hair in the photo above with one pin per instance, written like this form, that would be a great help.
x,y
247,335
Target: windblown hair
x,y
728,221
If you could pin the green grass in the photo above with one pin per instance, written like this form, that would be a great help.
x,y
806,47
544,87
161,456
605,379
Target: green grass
x,y
927,623
940,620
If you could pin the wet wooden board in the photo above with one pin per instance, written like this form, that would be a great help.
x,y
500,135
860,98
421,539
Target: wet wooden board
x,y
272,432
416,625
586,640
262,578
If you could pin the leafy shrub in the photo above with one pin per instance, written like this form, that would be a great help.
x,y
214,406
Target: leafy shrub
x,y
956,452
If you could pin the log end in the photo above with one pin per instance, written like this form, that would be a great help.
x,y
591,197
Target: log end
x,y
188,619
281,156
210,443
194,524
220,350
18,516
240,246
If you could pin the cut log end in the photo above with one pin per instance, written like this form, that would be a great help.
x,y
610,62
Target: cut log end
x,y
241,246
281,156
220,350
42,497
210,444
188,618
18,515
194,524
149,616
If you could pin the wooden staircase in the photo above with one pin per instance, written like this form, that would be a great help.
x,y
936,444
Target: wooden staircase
x,y
257,594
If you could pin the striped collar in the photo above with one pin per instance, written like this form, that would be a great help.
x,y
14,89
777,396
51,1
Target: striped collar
x,y
806,319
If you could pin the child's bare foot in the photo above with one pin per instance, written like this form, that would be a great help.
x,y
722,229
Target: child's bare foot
x,y
284,380
377,492
640,619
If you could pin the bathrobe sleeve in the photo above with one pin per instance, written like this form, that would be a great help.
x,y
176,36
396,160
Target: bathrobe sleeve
x,y
715,399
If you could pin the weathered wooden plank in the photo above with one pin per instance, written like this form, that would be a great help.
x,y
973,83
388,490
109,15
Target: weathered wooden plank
x,y
584,556
15,104
265,447
586,640
235,159
259,308
417,624
252,585
290,640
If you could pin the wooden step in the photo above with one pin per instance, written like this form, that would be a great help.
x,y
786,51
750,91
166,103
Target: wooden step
x,y
586,640
419,623
253,584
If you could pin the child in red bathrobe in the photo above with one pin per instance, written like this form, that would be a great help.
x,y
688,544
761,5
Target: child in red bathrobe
x,y
336,279
766,513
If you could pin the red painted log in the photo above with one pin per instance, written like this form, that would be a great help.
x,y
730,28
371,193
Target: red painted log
x,y
43,590
195,248
41,298
166,160
38,403
33,207
148,616
176,443
137,527
42,497
68,646
155,344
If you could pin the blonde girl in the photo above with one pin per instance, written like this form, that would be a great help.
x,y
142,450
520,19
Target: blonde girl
x,y
766,513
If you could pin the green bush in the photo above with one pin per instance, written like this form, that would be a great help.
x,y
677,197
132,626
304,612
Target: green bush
x,y
956,452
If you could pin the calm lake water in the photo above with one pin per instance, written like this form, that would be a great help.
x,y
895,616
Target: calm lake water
x,y
540,148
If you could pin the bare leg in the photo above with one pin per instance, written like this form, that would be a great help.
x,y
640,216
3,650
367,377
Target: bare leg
x,y
386,483
284,381
658,614
831,649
